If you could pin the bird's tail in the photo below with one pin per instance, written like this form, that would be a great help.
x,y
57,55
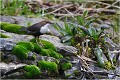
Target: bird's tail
x,y
23,29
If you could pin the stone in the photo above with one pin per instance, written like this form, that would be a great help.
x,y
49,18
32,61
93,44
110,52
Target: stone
x,y
9,46
63,49
71,71
8,67
2,41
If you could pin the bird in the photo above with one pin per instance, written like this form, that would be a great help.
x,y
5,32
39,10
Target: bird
x,y
38,29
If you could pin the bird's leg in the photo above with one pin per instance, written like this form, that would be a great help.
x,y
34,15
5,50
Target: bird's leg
x,y
38,41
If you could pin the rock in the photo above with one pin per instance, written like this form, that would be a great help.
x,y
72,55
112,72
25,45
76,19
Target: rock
x,y
53,31
46,58
30,54
2,43
15,38
71,71
15,75
8,46
21,20
8,67
63,49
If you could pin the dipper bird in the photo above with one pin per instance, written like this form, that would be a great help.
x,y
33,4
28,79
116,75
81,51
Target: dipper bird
x,y
38,29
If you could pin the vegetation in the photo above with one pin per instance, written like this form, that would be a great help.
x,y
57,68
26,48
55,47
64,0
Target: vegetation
x,y
55,54
66,66
16,7
20,51
50,66
14,28
28,45
46,44
3,35
34,47
32,71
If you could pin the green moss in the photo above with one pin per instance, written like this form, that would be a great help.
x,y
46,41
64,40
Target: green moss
x,y
20,52
37,48
32,71
33,40
46,44
14,28
45,52
55,54
66,66
4,36
50,66
28,45
48,49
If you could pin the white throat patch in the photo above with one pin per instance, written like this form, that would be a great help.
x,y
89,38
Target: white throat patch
x,y
44,29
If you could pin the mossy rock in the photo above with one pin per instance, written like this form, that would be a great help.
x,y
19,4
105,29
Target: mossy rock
x,y
20,52
45,52
66,66
55,54
28,45
46,65
46,44
37,48
32,71
14,28
4,36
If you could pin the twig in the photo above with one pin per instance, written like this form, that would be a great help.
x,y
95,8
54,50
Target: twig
x,y
68,15
104,4
112,5
59,9
109,6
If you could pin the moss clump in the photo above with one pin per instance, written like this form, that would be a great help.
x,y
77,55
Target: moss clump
x,y
37,48
32,71
66,66
28,45
20,52
14,28
55,54
46,44
4,36
50,66
45,52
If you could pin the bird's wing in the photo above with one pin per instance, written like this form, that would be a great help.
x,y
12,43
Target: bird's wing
x,y
34,27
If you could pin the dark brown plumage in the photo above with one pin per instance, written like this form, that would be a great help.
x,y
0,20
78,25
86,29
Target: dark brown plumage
x,y
35,29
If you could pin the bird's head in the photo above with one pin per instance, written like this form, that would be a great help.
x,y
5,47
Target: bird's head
x,y
45,28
